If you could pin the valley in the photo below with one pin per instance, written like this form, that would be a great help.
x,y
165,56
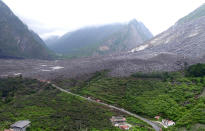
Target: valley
x,y
152,93
100,77
119,66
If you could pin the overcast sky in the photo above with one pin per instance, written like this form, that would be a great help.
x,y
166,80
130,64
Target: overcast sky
x,y
56,17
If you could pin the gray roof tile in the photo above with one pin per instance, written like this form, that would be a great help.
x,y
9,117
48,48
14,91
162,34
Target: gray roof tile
x,y
21,124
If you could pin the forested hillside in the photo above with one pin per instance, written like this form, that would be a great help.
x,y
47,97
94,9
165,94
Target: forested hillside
x,y
176,96
101,40
48,109
17,41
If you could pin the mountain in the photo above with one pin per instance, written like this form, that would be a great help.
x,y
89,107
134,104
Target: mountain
x,y
185,38
94,41
51,40
16,40
199,12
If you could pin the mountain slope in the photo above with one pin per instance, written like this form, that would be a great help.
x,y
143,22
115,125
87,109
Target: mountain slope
x,y
171,95
102,40
185,38
47,108
51,40
199,12
16,40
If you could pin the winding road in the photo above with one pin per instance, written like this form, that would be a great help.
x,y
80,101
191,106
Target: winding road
x,y
155,126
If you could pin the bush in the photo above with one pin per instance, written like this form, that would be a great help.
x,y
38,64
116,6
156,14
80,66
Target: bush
x,y
159,75
197,70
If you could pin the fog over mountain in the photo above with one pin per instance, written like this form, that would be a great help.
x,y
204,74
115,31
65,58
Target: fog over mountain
x,y
102,77
56,17
101,40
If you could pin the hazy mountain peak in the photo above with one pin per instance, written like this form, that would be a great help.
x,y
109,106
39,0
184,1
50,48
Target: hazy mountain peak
x,y
133,21
101,40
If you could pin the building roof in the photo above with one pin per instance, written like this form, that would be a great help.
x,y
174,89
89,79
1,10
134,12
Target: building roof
x,y
20,124
170,122
117,117
124,127
157,117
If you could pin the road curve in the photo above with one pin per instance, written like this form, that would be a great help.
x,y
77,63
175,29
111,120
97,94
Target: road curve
x,y
155,126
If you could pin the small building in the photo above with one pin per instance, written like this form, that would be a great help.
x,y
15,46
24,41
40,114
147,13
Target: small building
x,y
124,127
116,124
168,122
97,100
157,117
20,125
8,130
43,81
118,119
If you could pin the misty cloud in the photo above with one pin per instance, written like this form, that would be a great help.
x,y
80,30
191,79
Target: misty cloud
x,y
57,17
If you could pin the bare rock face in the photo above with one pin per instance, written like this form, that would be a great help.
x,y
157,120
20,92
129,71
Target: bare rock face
x,y
186,38
16,40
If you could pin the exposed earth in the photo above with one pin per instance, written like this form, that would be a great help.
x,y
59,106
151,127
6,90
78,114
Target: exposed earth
x,y
121,65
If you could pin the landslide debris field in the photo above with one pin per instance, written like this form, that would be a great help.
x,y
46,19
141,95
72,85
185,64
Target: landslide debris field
x,y
123,65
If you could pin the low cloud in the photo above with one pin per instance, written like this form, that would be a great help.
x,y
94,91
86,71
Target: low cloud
x,y
50,17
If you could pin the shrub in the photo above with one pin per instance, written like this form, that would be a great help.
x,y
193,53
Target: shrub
x,y
197,70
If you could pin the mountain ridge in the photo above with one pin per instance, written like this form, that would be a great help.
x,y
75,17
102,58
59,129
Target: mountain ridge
x,y
184,38
101,40
197,13
16,40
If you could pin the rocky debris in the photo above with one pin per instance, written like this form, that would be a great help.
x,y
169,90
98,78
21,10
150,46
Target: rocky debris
x,y
118,66
186,39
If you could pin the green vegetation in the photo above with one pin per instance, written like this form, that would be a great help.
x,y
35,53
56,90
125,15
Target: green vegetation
x,y
177,96
84,51
47,108
171,95
138,125
89,41
197,70
17,41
